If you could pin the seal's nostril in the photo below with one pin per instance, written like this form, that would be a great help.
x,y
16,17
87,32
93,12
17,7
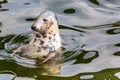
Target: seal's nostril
x,y
33,27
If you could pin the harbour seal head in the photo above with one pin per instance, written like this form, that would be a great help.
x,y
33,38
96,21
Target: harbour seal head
x,y
44,21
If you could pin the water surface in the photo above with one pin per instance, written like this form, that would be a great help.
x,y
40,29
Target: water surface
x,y
90,32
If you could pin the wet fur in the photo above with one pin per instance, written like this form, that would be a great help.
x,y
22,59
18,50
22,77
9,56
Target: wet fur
x,y
45,45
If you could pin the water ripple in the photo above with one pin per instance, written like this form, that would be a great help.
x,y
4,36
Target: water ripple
x,y
89,29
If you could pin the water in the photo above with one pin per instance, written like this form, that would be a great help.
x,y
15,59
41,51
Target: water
x,y
90,37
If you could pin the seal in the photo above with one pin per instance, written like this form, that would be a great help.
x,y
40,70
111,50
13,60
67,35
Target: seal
x,y
46,43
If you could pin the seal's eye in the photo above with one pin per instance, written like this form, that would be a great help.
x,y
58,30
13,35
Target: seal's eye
x,y
45,20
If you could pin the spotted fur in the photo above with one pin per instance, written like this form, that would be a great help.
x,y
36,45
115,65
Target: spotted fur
x,y
47,42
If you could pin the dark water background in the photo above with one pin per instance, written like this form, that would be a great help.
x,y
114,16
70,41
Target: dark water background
x,y
90,31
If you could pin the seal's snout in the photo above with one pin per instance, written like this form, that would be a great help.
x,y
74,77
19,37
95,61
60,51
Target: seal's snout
x,y
33,27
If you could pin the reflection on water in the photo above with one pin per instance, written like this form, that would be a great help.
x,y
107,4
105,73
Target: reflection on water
x,y
87,77
90,31
69,11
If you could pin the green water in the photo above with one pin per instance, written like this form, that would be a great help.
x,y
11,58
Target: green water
x,y
90,32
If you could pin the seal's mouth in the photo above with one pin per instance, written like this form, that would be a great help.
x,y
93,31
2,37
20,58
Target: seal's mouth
x,y
43,21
